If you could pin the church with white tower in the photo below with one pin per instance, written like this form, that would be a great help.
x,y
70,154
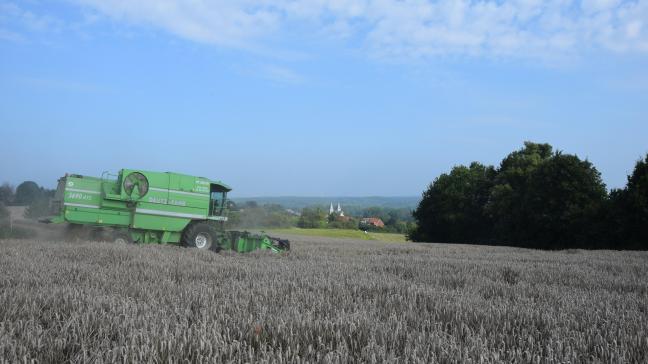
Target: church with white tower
x,y
339,211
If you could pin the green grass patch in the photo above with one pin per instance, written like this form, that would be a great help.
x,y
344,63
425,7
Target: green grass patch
x,y
342,233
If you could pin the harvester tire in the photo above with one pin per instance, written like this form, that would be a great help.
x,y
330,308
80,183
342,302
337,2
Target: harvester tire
x,y
121,237
200,235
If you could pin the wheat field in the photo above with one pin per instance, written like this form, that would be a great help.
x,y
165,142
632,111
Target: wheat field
x,y
327,300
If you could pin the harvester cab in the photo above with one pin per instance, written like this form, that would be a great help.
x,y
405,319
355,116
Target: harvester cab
x,y
218,199
155,207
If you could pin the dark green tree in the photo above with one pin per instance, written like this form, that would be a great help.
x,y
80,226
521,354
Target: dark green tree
x,y
27,192
562,205
506,204
537,199
4,213
452,208
392,220
5,230
627,213
6,194
543,199
637,190
312,218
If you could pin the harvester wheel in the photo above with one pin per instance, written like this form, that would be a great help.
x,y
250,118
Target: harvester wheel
x,y
200,235
121,237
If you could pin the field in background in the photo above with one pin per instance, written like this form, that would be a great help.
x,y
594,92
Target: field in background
x,y
342,233
327,300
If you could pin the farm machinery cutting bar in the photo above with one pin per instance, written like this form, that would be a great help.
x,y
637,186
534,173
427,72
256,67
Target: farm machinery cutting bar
x,y
138,206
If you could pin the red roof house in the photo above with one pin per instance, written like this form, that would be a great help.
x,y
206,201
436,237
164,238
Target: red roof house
x,y
372,221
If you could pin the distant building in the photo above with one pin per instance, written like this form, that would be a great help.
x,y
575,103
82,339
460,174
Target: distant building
x,y
343,218
372,221
339,211
293,212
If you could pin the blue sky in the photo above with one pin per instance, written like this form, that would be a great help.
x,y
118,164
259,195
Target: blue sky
x,y
318,98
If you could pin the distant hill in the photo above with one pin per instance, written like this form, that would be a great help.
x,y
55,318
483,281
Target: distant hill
x,y
298,203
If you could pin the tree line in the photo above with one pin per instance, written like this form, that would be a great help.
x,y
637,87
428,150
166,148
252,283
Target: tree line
x,y
252,215
29,194
536,198
396,220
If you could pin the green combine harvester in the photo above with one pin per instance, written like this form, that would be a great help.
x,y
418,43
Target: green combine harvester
x,y
137,206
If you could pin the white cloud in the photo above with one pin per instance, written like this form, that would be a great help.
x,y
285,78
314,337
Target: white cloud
x,y
16,23
281,75
12,13
11,36
224,23
404,28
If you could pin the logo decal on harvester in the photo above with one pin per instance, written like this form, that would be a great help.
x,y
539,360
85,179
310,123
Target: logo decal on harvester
x,y
79,196
157,200
202,189
165,201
